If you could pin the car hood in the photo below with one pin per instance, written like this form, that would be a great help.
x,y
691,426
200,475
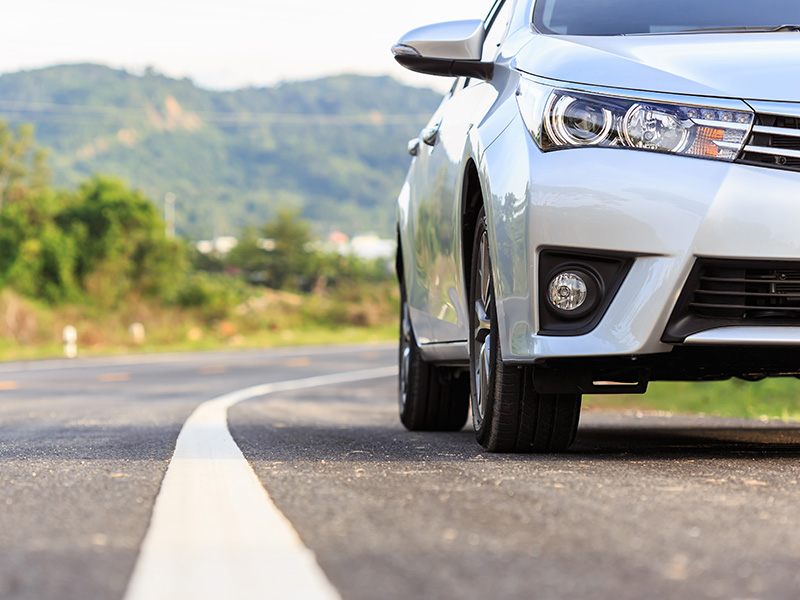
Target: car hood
x,y
758,66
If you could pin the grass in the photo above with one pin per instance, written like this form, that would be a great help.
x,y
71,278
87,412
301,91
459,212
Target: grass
x,y
775,398
30,330
307,336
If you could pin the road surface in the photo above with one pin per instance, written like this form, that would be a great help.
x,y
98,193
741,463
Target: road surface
x,y
643,506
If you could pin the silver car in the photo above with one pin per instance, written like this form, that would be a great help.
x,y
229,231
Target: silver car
x,y
608,195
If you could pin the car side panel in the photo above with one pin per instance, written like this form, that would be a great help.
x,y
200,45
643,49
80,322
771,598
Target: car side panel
x,y
431,240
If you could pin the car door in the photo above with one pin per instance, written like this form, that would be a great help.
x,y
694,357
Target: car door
x,y
437,294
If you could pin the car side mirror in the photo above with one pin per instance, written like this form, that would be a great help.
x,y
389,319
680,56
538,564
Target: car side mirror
x,y
451,49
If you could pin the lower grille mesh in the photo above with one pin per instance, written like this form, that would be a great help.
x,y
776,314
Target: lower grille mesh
x,y
723,293
730,292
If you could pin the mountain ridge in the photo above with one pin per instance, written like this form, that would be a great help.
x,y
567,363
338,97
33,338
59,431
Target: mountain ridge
x,y
332,148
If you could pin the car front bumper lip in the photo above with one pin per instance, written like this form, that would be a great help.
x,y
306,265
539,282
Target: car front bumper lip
x,y
746,336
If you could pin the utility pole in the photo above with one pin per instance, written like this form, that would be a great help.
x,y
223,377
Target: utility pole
x,y
169,214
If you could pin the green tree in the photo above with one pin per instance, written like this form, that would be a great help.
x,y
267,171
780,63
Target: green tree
x,y
278,255
289,258
250,257
37,257
22,164
122,244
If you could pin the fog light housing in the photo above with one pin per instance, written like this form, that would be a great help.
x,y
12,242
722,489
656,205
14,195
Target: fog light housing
x,y
576,286
567,291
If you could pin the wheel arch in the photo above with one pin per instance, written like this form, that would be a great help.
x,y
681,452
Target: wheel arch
x,y
472,199
490,184
398,259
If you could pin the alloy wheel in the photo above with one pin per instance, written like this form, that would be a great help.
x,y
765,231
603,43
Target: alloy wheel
x,y
482,327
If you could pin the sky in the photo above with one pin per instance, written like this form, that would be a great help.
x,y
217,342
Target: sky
x,y
223,44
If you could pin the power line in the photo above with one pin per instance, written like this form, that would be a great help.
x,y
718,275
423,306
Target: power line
x,y
52,112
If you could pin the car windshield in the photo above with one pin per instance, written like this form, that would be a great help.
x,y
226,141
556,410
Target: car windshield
x,y
628,17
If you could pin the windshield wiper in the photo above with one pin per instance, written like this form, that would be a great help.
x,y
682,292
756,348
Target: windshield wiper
x,y
742,29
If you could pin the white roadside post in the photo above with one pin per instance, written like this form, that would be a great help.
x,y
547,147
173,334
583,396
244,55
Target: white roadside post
x,y
70,337
137,333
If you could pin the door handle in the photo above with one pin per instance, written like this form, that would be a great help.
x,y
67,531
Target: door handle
x,y
430,135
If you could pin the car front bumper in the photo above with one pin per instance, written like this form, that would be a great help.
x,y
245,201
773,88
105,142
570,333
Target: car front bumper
x,y
664,211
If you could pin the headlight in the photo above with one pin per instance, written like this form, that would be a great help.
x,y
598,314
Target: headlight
x,y
566,118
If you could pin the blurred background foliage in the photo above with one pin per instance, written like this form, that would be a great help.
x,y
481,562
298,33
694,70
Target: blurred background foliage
x,y
99,256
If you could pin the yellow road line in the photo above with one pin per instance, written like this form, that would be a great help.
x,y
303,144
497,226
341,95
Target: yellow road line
x,y
113,377
300,361
213,369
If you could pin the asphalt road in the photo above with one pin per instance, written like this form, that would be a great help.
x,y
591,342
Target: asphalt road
x,y
641,507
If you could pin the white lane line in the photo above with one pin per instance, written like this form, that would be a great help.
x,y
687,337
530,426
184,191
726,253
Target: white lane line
x,y
215,533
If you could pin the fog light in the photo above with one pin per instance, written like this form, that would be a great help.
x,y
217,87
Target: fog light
x,y
576,288
567,291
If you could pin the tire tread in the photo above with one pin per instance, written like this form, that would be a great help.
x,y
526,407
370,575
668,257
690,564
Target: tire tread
x,y
437,398
517,417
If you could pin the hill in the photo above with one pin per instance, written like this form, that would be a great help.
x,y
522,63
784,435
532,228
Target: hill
x,y
334,148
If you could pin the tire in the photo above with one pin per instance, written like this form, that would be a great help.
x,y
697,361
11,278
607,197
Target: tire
x,y
431,397
507,412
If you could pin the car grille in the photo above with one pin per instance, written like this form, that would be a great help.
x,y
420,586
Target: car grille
x,y
722,293
774,142
743,293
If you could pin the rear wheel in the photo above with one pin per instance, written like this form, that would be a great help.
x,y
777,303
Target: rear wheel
x,y
431,397
508,414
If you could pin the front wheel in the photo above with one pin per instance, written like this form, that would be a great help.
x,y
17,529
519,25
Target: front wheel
x,y
507,412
